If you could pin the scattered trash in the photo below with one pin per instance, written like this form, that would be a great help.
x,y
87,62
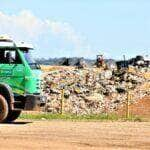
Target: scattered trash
x,y
91,90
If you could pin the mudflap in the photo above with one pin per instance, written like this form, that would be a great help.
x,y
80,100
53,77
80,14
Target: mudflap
x,y
34,102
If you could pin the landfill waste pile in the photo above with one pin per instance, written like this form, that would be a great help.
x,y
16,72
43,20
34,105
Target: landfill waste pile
x,y
92,90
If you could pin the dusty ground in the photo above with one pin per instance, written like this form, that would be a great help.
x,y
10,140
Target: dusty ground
x,y
65,135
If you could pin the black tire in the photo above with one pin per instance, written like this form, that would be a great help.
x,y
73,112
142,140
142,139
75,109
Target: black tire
x,y
13,115
3,109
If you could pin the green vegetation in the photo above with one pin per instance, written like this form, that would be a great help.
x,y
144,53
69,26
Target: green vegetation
x,y
98,117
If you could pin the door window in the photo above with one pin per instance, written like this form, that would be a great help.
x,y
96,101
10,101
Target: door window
x,y
9,57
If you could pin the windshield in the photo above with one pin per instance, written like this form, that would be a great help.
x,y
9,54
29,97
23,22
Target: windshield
x,y
30,60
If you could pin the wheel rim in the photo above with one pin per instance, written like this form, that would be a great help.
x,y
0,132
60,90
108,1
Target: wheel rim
x,y
3,109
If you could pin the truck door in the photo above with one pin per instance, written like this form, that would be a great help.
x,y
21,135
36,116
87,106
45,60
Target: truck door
x,y
12,70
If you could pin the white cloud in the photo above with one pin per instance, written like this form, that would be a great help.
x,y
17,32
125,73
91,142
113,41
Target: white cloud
x,y
26,26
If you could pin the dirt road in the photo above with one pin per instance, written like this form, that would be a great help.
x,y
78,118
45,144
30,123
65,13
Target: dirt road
x,y
66,135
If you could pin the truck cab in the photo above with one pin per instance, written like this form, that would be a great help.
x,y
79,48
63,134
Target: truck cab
x,y
20,80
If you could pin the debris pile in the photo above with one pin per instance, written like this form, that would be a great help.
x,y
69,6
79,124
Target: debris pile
x,y
90,90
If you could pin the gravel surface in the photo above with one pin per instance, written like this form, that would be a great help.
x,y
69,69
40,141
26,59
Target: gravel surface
x,y
66,135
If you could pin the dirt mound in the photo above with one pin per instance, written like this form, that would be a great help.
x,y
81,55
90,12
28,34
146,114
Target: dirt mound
x,y
141,108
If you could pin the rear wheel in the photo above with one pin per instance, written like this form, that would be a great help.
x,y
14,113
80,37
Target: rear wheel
x,y
3,109
13,115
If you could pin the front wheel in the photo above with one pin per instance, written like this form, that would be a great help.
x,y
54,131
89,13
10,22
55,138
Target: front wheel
x,y
3,109
13,115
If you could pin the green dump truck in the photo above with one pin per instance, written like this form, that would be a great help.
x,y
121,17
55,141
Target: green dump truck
x,y
19,80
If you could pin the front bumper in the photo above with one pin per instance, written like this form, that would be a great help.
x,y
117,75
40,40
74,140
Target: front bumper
x,y
34,102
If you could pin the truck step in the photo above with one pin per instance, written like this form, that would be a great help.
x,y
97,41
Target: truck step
x,y
17,102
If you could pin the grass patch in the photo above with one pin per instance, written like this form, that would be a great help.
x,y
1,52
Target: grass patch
x,y
98,117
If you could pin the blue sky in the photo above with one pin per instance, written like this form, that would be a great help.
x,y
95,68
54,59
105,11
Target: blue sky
x,y
79,27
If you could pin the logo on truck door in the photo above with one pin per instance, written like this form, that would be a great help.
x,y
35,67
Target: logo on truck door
x,y
6,72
